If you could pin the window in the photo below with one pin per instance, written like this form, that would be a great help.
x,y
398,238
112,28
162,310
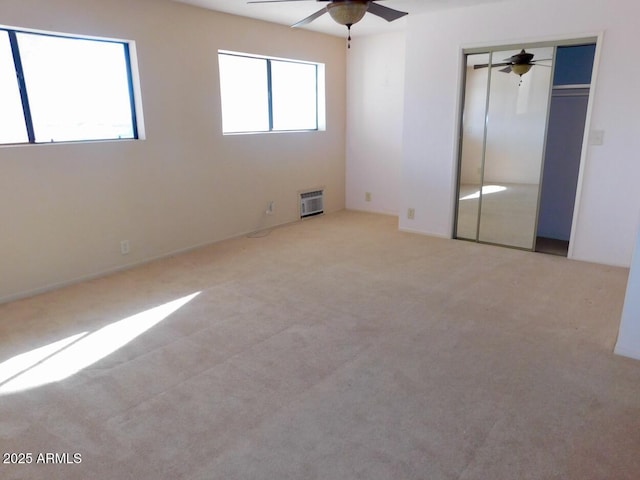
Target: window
x,y
58,89
261,94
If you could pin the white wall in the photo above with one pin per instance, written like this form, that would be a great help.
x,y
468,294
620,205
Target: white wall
x,y
629,335
608,204
64,208
375,92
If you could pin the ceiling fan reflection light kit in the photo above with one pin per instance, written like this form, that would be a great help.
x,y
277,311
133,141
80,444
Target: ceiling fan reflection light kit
x,y
520,63
521,69
346,12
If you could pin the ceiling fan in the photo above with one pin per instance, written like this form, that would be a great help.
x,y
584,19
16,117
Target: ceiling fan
x,y
345,12
520,63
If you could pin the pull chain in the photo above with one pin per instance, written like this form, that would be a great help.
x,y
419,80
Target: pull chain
x,y
349,37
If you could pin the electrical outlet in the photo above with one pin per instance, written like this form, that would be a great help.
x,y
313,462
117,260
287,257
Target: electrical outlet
x,y
124,247
367,196
411,213
271,208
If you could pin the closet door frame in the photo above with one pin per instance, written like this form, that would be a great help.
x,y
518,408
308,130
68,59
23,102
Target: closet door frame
x,y
489,49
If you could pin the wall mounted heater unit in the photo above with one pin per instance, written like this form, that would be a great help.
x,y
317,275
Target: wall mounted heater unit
x,y
311,203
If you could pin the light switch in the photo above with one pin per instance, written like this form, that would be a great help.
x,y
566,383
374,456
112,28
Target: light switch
x,y
596,137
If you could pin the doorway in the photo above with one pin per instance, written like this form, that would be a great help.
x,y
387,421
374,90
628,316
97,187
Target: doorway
x,y
517,179
567,117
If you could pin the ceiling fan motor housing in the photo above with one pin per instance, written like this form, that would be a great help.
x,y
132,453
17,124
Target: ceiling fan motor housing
x,y
348,12
522,58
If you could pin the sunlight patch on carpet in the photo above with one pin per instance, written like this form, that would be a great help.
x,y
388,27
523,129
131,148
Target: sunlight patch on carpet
x,y
64,358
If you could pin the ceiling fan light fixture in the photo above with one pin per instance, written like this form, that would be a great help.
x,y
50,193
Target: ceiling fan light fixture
x,y
521,68
348,12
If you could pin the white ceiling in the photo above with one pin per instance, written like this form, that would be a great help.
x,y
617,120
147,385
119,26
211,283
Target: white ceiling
x,y
288,13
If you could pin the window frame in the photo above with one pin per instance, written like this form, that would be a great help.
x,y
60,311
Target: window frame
x,y
319,95
24,94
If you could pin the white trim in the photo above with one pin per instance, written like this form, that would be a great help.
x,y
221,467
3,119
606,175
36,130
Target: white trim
x,y
550,41
561,40
457,143
628,342
581,86
65,34
422,232
585,145
265,57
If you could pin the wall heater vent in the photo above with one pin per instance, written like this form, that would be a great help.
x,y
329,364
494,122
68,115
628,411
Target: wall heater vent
x,y
311,203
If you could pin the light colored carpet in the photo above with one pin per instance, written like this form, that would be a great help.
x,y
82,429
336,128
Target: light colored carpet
x,y
335,348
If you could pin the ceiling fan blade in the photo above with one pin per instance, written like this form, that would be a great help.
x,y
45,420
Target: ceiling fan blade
x,y
277,1
310,18
493,65
506,70
389,14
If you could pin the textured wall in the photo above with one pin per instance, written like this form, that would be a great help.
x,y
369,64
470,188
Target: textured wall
x,y
64,208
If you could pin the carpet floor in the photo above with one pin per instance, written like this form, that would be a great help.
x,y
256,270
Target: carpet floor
x,y
333,348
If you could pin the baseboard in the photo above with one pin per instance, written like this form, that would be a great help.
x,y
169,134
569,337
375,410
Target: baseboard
x,y
387,213
121,268
422,232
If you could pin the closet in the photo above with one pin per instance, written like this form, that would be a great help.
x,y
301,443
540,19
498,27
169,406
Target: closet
x,y
515,174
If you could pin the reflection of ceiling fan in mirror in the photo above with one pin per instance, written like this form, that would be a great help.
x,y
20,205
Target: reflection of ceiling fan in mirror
x,y
520,63
345,12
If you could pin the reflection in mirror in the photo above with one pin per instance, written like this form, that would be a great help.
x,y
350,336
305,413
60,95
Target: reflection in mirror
x,y
472,148
503,137
514,148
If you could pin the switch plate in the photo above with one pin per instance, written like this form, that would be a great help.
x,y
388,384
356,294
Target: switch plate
x,y
596,137
367,196
411,213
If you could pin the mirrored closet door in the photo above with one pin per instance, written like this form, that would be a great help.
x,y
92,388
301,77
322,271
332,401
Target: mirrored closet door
x,y
506,104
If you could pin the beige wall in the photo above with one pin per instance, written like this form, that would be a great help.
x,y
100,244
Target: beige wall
x,y
64,208
375,92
